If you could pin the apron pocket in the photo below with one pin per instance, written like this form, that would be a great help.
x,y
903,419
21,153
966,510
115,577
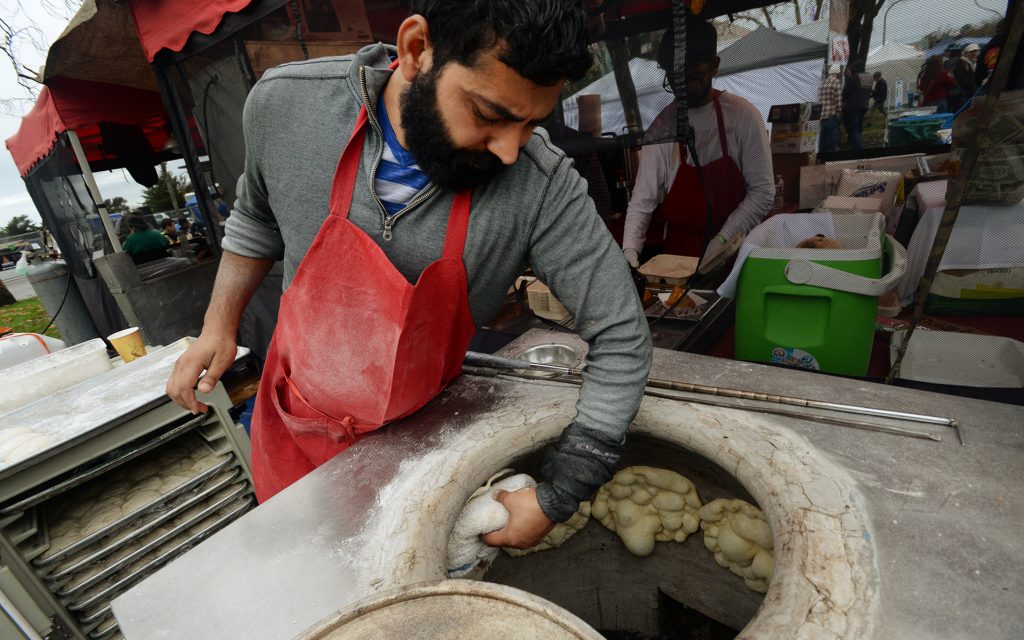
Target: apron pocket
x,y
303,420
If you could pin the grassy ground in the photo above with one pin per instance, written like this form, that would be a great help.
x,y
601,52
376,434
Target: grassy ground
x,y
873,134
27,316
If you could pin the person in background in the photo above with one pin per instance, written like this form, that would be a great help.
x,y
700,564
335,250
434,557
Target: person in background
x,y
971,52
831,105
144,243
963,73
935,84
185,227
734,154
167,228
879,94
951,55
856,96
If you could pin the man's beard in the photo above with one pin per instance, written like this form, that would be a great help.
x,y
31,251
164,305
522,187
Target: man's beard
x,y
429,142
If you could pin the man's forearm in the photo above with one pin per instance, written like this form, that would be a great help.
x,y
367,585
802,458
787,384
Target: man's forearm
x,y
237,279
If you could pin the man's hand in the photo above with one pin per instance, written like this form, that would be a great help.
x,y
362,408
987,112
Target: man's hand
x,y
632,257
527,524
210,352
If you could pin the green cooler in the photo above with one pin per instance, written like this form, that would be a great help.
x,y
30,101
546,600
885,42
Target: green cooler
x,y
813,308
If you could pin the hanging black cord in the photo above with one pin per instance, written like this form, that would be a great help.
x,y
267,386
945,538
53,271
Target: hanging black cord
x,y
67,287
298,29
206,126
685,135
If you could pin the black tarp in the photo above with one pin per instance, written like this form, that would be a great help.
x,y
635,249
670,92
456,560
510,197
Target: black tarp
x,y
768,48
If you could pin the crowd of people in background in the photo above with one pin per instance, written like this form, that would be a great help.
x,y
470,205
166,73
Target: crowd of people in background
x,y
946,82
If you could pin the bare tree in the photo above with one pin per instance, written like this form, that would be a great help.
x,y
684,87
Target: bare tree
x,y
20,35
862,22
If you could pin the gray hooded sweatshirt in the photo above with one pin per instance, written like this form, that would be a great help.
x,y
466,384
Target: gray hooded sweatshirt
x,y
536,213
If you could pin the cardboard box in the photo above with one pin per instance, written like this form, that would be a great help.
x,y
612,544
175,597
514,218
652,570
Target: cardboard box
x,y
797,112
800,137
817,182
849,204
788,166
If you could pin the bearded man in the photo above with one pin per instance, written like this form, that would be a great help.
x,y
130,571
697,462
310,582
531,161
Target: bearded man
x,y
405,189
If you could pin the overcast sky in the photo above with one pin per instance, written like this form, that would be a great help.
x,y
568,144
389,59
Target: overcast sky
x,y
908,21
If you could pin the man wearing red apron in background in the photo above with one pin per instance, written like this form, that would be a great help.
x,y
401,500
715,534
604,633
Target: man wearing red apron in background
x,y
405,189
667,207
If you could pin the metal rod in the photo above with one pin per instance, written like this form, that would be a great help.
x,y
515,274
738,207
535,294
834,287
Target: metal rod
x,y
499,362
94,191
843,422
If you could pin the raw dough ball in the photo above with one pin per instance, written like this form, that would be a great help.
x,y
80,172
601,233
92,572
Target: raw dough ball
x,y
739,536
644,505
819,242
557,536
30,447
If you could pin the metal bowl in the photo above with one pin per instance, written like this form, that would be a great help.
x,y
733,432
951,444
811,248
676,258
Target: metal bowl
x,y
560,355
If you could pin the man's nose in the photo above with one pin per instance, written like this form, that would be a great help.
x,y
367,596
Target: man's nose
x,y
506,144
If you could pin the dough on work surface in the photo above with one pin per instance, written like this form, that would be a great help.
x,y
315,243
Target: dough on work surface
x,y
557,536
30,447
645,505
739,536
819,242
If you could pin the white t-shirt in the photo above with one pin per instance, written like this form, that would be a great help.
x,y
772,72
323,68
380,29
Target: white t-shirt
x,y
747,137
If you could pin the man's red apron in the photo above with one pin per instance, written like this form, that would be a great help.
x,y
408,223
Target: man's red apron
x,y
356,345
682,215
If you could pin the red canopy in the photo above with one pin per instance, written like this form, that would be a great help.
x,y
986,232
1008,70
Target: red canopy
x,y
70,104
166,24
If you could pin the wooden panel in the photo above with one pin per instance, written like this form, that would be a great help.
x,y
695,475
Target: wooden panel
x,y
265,54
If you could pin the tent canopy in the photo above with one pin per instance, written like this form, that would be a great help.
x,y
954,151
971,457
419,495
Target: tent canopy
x,y
70,104
768,48
168,25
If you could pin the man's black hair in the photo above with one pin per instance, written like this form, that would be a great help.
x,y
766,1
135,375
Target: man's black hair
x,y
544,41
856,66
701,43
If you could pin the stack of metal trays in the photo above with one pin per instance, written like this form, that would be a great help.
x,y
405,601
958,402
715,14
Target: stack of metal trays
x,y
104,536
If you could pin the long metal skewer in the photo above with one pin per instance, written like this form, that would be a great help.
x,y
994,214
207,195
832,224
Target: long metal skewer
x,y
491,361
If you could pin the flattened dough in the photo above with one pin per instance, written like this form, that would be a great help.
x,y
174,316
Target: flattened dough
x,y
645,505
738,534
557,536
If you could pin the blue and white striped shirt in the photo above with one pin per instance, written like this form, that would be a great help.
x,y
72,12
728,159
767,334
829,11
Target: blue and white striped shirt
x,y
399,178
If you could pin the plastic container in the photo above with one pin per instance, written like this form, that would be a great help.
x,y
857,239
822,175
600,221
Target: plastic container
x,y
814,308
911,130
16,348
44,376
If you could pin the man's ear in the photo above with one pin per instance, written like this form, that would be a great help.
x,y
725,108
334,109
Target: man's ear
x,y
414,51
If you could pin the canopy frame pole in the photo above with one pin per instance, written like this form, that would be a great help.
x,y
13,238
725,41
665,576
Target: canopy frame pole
x,y
94,191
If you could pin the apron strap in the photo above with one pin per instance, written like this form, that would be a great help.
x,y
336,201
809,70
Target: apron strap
x,y
723,141
348,167
458,223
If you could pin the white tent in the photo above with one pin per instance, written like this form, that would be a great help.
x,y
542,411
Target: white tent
x,y
896,62
781,84
651,97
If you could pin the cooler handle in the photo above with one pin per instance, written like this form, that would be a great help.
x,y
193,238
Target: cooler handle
x,y
819,275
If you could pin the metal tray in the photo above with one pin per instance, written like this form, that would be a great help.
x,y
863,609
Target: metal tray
x,y
108,592
166,537
62,573
655,307
103,464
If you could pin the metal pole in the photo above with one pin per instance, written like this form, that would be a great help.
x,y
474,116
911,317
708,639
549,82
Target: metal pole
x,y
958,185
94,191
474,359
885,18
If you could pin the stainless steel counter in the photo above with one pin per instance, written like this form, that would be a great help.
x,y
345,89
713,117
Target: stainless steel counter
x,y
944,519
